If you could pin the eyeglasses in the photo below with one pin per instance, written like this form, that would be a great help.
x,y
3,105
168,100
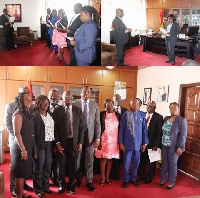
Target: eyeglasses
x,y
45,102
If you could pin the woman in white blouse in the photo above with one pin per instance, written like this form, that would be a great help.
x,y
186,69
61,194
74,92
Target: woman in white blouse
x,y
44,135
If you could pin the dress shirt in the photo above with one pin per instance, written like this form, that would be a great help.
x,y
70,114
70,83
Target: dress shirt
x,y
83,103
73,19
52,108
149,115
169,28
71,118
117,109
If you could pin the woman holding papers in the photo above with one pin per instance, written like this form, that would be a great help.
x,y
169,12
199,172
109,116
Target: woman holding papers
x,y
85,37
173,144
173,30
59,37
54,19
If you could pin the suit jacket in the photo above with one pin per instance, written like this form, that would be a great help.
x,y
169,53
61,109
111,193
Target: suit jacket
x,y
85,37
119,31
174,31
76,24
39,130
103,117
4,20
178,133
133,143
94,126
123,110
61,129
155,130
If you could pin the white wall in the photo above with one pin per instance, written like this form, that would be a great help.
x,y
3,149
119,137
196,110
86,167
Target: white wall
x,y
30,13
151,77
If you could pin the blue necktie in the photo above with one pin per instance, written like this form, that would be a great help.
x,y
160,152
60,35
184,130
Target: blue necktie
x,y
85,115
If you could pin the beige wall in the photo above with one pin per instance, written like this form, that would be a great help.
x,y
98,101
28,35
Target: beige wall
x,y
151,77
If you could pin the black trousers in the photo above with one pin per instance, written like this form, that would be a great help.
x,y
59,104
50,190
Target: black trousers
x,y
9,39
144,161
72,163
121,48
72,54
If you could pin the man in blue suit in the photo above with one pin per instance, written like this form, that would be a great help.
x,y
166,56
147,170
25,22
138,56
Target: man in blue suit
x,y
85,39
132,138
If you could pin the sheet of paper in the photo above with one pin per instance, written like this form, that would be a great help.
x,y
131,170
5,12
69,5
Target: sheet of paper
x,y
11,19
154,155
163,31
70,38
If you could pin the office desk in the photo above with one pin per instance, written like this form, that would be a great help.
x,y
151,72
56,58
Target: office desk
x,y
183,48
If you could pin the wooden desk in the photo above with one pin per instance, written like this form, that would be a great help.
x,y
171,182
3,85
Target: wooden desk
x,y
157,45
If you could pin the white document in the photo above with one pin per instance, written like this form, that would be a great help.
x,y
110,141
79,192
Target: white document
x,y
163,31
11,19
62,26
70,38
154,155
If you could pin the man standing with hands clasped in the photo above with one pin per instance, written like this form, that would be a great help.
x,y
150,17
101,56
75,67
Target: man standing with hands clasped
x,y
92,130
120,36
132,138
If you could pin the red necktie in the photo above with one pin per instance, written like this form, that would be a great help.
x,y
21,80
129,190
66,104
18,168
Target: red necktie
x,y
148,118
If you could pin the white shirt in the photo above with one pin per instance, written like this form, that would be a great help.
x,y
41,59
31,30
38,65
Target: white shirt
x,y
147,115
119,109
169,28
49,127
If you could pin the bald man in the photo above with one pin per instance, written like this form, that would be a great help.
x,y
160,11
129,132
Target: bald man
x,y
120,36
154,127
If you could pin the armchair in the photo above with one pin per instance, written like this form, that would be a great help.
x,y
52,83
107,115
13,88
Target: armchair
x,y
108,54
24,35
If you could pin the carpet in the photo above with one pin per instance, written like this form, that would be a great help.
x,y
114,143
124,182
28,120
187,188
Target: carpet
x,y
185,187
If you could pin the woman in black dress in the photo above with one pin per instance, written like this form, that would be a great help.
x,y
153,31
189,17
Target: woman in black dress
x,y
23,147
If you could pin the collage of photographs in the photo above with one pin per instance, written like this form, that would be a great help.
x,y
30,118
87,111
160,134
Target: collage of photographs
x,y
100,98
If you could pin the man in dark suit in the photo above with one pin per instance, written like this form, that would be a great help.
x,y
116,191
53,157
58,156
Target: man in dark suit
x,y
92,131
75,24
154,127
120,36
7,29
69,125
173,30
114,175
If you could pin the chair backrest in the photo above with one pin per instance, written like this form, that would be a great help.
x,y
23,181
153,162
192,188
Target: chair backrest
x,y
184,30
23,31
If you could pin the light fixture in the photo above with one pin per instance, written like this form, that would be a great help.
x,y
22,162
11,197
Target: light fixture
x,y
110,67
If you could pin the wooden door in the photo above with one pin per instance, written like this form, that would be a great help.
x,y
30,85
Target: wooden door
x,y
38,73
130,77
190,161
94,76
76,75
109,77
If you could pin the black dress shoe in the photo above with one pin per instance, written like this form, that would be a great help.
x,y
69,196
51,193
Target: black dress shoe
x,y
13,192
167,61
55,182
41,195
161,184
173,63
61,190
125,65
77,184
135,183
47,192
169,187
141,179
71,190
146,181
27,187
90,187
125,184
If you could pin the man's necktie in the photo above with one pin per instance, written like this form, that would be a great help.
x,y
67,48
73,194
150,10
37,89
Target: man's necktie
x,y
69,131
117,109
148,118
85,115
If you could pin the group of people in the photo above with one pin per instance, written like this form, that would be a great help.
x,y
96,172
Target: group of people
x,y
44,135
79,35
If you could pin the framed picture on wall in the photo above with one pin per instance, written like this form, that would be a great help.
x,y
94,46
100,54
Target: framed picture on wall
x,y
147,95
14,10
162,93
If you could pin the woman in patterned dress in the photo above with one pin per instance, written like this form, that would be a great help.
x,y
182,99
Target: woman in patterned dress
x,y
59,36
44,135
108,148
